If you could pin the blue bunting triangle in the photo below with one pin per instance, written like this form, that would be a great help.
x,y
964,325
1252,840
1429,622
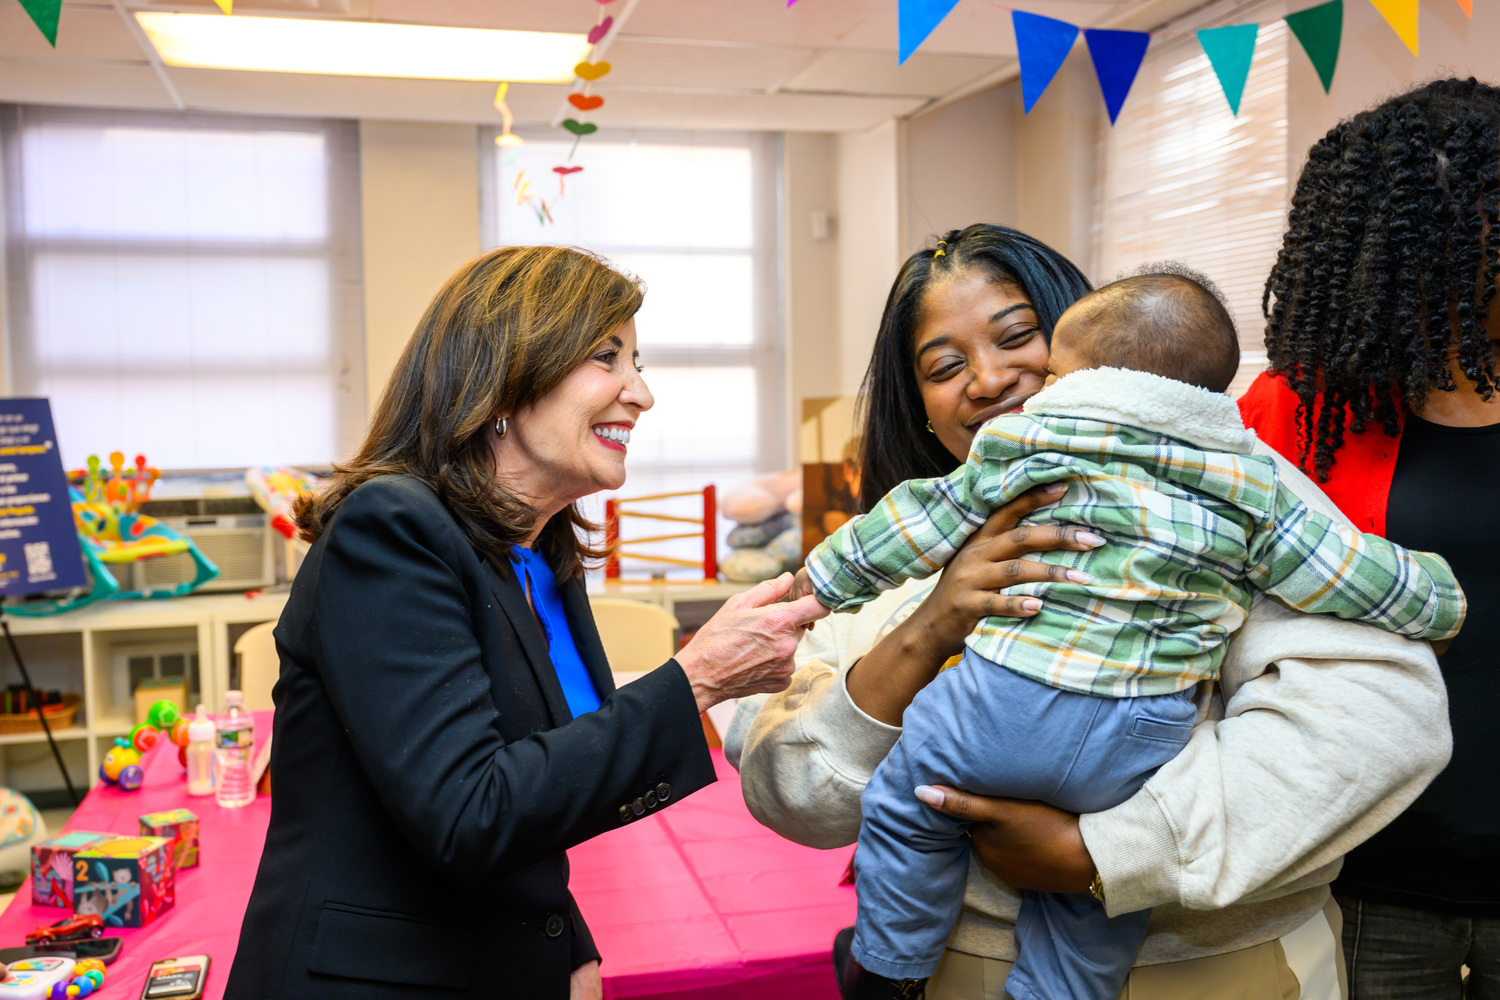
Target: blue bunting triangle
x,y
915,20
1229,50
1117,58
1042,43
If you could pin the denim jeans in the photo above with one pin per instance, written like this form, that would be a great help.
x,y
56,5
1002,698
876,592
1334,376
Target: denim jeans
x,y
1402,953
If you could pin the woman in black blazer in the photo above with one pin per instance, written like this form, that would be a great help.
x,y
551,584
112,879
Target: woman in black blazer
x,y
428,769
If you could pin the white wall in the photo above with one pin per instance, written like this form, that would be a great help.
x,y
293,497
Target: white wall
x,y
869,244
961,166
420,195
810,269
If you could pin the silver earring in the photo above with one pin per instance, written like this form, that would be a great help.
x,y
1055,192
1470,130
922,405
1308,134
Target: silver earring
x,y
501,427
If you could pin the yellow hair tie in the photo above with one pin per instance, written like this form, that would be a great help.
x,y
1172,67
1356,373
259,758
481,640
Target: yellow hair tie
x,y
940,251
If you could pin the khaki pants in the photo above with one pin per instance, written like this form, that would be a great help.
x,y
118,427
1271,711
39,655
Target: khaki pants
x,y
1306,964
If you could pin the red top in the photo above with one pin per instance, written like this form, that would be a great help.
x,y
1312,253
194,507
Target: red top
x,y
1359,482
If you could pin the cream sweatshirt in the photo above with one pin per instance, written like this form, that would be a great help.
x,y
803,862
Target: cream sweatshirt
x,y
1317,734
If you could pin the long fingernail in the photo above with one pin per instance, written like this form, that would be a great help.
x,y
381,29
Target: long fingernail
x,y
930,795
1031,604
1090,539
1079,576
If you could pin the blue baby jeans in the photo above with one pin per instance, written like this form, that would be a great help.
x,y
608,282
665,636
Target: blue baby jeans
x,y
991,731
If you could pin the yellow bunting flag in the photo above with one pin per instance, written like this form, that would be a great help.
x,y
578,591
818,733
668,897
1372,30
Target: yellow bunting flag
x,y
227,6
1401,15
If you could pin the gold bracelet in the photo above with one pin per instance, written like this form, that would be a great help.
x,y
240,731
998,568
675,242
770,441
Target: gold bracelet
x,y
1096,887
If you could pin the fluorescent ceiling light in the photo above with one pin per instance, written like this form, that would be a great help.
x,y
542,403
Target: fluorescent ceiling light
x,y
362,48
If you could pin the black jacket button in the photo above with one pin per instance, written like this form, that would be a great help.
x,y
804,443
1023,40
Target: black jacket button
x,y
638,807
663,791
554,925
650,800
626,815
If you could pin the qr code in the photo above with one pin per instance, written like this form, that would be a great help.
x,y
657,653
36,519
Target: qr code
x,y
38,560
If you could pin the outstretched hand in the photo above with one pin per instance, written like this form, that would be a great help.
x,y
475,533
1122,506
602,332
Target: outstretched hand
x,y
1028,845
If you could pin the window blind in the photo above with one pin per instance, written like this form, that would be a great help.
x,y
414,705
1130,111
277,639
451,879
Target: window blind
x,y
1181,178
186,286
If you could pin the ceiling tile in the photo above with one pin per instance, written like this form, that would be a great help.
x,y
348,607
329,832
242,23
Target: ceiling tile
x,y
106,85
691,66
923,75
82,33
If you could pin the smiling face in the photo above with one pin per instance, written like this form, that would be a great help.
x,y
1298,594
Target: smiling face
x,y
573,441
978,352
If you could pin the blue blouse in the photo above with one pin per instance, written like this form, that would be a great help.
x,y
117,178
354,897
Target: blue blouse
x,y
578,687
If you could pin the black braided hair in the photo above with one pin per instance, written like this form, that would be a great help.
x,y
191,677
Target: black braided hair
x,y
1389,264
895,445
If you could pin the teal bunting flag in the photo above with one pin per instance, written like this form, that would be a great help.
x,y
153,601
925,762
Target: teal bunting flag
x,y
915,20
1320,29
1042,43
1229,50
44,13
1117,58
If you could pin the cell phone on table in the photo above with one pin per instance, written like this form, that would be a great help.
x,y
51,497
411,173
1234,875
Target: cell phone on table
x,y
176,978
105,949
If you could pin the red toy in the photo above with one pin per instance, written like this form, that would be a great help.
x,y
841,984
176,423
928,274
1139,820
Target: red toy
x,y
74,928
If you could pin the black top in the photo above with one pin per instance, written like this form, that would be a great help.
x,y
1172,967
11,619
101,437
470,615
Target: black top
x,y
428,776
1443,853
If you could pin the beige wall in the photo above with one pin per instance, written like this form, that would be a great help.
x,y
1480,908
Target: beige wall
x,y
810,273
1056,145
420,203
869,243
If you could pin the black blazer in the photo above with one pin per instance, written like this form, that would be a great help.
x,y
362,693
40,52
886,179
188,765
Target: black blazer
x,y
427,774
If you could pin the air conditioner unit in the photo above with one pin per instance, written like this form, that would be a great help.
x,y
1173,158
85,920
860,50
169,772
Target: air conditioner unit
x,y
240,545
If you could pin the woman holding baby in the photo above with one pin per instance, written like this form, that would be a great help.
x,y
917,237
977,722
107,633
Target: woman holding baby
x,y
1233,843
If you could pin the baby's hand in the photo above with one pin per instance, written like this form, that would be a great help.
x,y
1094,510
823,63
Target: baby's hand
x,y
801,585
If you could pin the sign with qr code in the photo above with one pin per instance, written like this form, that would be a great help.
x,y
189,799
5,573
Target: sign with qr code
x,y
39,548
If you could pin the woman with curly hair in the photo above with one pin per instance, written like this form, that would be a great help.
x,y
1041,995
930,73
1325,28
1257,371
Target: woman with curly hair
x,y
1383,335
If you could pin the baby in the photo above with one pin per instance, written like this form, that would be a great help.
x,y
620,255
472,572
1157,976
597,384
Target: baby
x,y
1080,704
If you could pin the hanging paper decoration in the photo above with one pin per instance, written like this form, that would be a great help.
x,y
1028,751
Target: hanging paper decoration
x,y
915,20
598,31
1042,43
1468,6
227,6
1229,50
1117,58
44,14
1401,15
506,136
1319,30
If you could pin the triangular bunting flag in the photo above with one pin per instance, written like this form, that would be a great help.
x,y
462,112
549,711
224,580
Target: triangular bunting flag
x,y
1042,43
1468,6
227,6
1401,15
1319,30
1229,50
1117,58
915,20
45,13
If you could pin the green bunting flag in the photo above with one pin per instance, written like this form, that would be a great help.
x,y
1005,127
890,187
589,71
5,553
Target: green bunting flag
x,y
45,14
1229,50
1319,30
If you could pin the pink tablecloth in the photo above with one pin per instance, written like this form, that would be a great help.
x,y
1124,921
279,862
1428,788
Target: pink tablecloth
x,y
699,901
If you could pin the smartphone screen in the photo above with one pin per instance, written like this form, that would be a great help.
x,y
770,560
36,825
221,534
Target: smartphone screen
x,y
176,977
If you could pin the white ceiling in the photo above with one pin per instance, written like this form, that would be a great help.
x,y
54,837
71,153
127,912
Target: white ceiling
x,y
820,65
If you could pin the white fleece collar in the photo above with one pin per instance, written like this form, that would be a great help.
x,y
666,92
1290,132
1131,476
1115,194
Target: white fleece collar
x,y
1209,420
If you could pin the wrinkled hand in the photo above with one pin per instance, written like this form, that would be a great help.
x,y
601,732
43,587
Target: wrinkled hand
x,y
585,983
1028,845
746,647
991,560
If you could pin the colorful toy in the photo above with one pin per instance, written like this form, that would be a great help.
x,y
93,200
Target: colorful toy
x,y
128,881
74,928
106,512
276,489
52,866
117,759
162,714
85,981
131,777
180,827
36,978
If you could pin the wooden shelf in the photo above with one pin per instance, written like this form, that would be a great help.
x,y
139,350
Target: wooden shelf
x,y
71,733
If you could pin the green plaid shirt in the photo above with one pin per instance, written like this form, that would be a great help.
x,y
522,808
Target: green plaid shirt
x,y
1189,533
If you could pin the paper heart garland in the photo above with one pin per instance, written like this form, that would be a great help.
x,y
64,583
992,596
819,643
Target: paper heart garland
x,y
578,127
601,29
565,171
592,70
586,102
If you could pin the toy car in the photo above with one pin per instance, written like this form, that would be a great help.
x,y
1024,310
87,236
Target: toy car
x,y
76,927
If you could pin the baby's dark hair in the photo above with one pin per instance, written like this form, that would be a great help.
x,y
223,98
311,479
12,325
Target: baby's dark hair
x,y
1167,319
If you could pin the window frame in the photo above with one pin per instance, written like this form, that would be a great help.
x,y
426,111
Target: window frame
x,y
342,248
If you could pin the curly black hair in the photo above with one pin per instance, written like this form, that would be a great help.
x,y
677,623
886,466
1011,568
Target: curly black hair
x,y
1389,264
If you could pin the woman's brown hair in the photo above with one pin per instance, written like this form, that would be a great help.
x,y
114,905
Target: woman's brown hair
x,y
502,333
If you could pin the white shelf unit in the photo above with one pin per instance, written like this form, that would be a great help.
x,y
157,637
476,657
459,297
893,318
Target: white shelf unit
x,y
72,653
